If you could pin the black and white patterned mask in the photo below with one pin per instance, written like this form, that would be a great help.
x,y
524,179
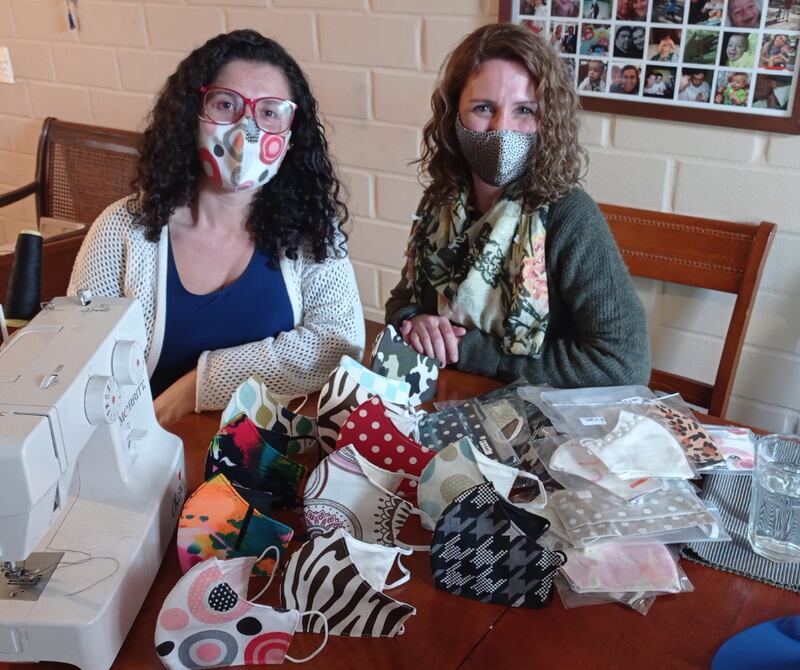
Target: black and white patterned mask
x,y
498,157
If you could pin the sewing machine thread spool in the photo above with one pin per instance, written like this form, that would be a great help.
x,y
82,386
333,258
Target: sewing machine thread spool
x,y
24,294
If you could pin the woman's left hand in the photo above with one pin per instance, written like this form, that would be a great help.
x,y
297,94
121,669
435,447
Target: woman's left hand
x,y
178,400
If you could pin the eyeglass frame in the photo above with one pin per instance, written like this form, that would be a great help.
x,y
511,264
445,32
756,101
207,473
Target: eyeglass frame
x,y
248,102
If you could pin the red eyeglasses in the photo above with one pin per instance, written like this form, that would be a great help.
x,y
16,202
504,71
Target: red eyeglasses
x,y
224,106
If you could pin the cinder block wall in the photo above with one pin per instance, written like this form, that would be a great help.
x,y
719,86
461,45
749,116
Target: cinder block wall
x,y
373,64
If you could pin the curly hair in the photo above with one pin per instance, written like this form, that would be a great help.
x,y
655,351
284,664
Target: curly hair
x,y
299,209
558,162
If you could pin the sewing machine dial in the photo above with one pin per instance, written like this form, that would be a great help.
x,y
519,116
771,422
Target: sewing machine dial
x,y
102,400
127,362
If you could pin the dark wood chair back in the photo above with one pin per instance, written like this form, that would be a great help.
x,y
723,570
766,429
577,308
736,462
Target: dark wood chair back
x,y
703,253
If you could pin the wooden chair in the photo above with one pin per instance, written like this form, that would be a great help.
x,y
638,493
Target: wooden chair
x,y
80,170
703,253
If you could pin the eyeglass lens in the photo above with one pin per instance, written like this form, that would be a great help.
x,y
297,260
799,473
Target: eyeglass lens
x,y
272,115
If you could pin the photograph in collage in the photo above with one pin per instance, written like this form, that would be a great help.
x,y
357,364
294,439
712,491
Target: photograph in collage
x,y
778,52
665,45
706,12
738,50
632,10
597,10
538,8
630,79
771,92
569,67
534,26
566,8
592,75
744,14
668,11
783,15
659,82
695,85
595,40
629,41
564,37
732,88
701,47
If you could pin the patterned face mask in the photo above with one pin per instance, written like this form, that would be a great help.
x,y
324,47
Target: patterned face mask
x,y
239,452
226,521
240,156
346,491
266,411
498,157
351,384
459,467
393,358
485,548
377,439
206,621
699,447
351,595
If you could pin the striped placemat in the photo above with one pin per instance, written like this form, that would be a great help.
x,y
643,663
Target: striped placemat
x,y
731,494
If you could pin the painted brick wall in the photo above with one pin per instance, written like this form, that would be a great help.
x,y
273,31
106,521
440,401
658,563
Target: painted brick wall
x,y
373,64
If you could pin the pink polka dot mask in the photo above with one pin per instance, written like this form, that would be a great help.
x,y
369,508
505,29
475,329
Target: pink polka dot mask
x,y
240,156
207,621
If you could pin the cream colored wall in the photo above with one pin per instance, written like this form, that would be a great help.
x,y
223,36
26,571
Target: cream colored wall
x,y
373,64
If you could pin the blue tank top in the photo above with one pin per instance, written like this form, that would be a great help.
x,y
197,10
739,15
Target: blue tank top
x,y
255,306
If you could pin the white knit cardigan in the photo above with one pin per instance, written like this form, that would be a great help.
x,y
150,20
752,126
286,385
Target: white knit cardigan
x,y
115,259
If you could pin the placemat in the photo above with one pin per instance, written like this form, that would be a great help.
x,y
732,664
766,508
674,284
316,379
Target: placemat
x,y
731,494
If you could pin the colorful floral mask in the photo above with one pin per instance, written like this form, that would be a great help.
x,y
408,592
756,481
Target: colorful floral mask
x,y
206,621
393,358
267,412
227,521
350,595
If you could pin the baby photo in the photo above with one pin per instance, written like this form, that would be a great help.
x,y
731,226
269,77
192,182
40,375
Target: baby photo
x,y
778,52
783,15
706,12
665,45
614,84
695,85
564,37
738,50
701,47
744,14
732,88
667,11
771,91
596,10
659,82
595,40
629,41
592,76
534,8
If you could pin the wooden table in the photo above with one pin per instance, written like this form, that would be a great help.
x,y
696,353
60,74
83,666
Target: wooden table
x,y
680,632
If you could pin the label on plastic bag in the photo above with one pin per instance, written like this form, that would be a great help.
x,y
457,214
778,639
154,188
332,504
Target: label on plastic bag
x,y
593,421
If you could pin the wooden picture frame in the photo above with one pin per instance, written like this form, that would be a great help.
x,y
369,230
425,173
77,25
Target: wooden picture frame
x,y
721,62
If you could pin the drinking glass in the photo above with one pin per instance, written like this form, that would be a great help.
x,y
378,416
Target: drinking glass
x,y
774,524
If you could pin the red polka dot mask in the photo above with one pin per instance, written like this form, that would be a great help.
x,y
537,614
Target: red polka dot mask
x,y
240,156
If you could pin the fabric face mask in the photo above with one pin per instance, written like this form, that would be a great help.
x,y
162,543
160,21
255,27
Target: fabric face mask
x,y
351,384
206,621
460,467
240,156
226,521
377,439
699,447
245,458
266,411
393,358
350,595
346,491
498,157
485,548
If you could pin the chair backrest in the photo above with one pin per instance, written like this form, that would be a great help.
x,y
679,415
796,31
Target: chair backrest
x,y
703,253
82,169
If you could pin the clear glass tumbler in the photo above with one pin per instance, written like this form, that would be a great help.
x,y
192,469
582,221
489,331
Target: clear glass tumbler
x,y
774,526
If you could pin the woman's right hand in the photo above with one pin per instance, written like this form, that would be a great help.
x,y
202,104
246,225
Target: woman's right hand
x,y
434,336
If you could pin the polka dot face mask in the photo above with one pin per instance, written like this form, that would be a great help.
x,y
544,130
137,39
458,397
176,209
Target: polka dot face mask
x,y
498,157
240,156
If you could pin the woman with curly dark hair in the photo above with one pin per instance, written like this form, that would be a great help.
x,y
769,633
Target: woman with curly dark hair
x,y
511,269
232,240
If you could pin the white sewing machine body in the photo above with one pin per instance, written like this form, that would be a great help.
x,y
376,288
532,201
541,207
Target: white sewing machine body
x,y
85,469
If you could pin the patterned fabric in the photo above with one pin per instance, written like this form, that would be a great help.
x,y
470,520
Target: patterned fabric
x,y
393,358
266,411
323,575
348,386
239,452
699,447
227,521
207,622
490,273
438,429
345,491
377,439
484,548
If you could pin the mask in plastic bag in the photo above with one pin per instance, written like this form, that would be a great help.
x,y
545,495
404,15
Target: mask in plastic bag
x,y
350,595
485,548
226,521
698,445
393,358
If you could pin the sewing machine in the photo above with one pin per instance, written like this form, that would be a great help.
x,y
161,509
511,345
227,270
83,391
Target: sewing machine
x,y
90,485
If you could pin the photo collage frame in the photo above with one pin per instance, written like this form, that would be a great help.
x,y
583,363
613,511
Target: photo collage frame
x,y
691,59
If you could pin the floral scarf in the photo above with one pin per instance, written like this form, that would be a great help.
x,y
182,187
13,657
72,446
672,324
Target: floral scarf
x,y
489,273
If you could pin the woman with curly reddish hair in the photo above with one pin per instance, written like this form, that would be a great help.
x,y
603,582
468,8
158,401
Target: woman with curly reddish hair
x,y
232,239
511,269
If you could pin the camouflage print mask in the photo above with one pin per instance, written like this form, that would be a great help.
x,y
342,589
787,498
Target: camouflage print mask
x,y
393,358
